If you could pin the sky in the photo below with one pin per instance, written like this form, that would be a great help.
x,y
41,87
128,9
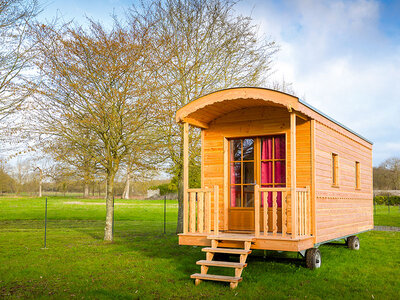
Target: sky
x,y
342,57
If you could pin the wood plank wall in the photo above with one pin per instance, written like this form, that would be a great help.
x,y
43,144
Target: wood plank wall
x,y
341,210
255,121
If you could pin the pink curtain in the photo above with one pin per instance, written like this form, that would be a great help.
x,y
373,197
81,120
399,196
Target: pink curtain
x,y
267,167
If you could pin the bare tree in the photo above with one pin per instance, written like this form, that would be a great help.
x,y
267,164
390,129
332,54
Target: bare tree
x,y
211,47
66,151
15,16
98,83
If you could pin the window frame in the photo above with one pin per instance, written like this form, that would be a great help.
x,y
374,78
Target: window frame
x,y
358,175
335,170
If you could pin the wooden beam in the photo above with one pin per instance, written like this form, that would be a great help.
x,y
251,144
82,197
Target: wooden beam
x,y
196,123
301,116
202,160
185,176
313,182
257,210
293,172
226,182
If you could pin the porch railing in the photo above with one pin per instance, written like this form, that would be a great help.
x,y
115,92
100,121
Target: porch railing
x,y
197,217
303,211
302,220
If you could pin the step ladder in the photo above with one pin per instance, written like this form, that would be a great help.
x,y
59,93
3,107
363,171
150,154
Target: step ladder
x,y
209,262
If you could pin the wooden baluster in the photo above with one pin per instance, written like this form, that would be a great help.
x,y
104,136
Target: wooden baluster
x,y
257,210
200,215
297,212
265,204
275,212
192,212
305,212
207,212
185,212
216,210
301,213
309,209
284,228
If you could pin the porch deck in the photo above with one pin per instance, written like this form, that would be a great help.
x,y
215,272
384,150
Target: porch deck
x,y
269,241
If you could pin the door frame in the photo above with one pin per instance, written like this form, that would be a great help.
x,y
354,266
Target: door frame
x,y
257,163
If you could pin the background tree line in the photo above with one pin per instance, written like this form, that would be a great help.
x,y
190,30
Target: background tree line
x,y
97,103
387,175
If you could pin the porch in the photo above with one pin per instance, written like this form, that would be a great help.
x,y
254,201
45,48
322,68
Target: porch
x,y
202,220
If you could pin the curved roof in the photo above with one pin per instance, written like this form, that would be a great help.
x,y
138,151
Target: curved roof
x,y
205,109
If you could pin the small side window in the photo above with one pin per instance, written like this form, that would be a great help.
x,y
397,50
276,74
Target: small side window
x,y
358,175
335,169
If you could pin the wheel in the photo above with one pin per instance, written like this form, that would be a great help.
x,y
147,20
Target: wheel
x,y
353,243
313,258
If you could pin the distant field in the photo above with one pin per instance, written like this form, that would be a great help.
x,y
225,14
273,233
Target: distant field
x,y
144,263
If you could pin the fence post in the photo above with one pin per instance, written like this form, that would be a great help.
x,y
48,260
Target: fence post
x,y
165,211
45,224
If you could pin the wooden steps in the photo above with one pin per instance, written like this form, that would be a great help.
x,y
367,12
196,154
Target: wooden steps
x,y
217,263
226,250
215,277
210,262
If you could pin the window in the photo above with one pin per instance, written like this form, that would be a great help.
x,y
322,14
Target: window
x,y
335,170
273,166
358,179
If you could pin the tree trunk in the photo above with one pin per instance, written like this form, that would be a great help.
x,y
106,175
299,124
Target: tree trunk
x,y
40,182
105,197
86,191
108,231
40,189
125,195
179,226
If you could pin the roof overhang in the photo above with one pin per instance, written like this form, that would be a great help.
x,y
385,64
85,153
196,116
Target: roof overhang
x,y
205,109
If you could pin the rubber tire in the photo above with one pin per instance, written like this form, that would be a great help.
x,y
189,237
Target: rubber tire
x,y
353,243
313,258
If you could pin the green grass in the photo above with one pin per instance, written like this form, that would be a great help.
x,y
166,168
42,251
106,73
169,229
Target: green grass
x,y
144,263
385,216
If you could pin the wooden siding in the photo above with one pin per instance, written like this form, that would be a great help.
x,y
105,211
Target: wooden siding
x,y
341,210
253,121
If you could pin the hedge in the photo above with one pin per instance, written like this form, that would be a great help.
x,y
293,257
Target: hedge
x,y
387,200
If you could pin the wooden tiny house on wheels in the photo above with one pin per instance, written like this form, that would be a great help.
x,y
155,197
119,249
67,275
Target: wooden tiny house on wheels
x,y
276,174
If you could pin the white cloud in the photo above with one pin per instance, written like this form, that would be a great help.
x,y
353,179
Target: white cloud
x,y
338,59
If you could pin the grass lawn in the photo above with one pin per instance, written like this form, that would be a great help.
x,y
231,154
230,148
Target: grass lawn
x,y
385,216
144,263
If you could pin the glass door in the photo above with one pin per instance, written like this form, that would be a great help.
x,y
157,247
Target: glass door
x,y
251,160
242,172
